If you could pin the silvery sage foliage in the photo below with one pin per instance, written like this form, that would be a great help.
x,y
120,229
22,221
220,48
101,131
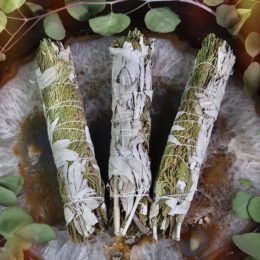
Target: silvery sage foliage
x,y
189,137
79,176
129,163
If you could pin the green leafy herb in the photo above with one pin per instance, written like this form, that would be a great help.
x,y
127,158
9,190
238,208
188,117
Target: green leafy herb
x,y
79,12
3,21
161,19
239,204
251,78
17,227
252,44
13,219
53,27
244,14
109,24
254,209
248,243
9,6
227,16
95,9
13,183
7,197
231,18
36,233
213,2
14,240
35,8
14,248
7,255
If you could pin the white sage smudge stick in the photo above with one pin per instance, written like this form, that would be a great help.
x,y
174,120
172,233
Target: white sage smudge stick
x,y
189,137
129,163
79,177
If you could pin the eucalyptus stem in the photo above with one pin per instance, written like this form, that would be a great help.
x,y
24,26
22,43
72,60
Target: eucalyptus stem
x,y
80,183
189,137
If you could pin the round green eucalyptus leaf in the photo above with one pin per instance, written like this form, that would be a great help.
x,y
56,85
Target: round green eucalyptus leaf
x,y
213,2
78,12
161,19
227,16
7,197
14,246
8,6
3,21
95,9
13,183
36,233
13,219
239,204
252,44
251,78
13,249
53,27
109,24
35,8
248,243
254,208
244,14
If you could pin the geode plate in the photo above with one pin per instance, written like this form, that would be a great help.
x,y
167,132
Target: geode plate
x,y
233,153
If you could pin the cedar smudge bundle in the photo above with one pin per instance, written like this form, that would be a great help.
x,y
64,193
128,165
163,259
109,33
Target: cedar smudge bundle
x,y
79,177
189,137
129,163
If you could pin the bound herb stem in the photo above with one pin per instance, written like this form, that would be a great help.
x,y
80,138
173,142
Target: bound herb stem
x,y
80,183
189,137
130,217
129,164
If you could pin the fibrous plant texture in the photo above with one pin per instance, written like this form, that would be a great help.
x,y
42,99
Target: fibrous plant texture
x,y
79,176
129,163
189,137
